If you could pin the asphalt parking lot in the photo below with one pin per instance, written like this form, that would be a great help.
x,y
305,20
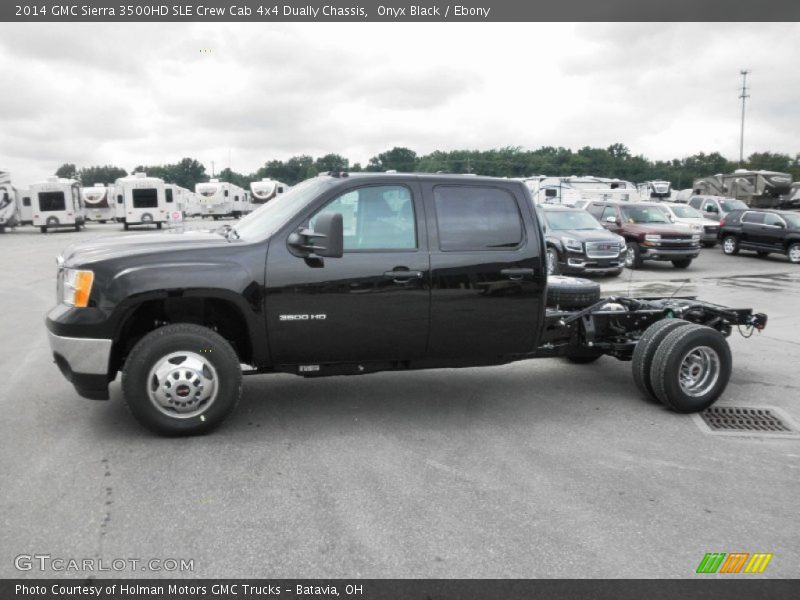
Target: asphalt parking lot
x,y
535,469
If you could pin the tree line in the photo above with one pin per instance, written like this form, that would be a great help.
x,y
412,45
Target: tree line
x,y
511,161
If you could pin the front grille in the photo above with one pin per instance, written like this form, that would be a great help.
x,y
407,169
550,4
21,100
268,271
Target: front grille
x,y
602,249
765,421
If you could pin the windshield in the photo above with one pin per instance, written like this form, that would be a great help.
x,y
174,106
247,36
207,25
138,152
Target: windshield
x,y
269,217
686,212
643,214
568,219
792,219
729,205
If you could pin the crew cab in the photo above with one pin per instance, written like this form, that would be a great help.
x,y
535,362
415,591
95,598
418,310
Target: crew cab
x,y
762,231
576,242
648,233
347,275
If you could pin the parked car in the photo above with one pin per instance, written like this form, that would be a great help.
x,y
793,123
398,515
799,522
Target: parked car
x,y
762,231
648,233
716,207
349,275
578,243
694,219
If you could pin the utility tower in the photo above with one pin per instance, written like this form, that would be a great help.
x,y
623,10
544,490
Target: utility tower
x,y
744,96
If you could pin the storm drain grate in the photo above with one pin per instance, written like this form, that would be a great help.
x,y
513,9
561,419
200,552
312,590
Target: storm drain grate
x,y
765,421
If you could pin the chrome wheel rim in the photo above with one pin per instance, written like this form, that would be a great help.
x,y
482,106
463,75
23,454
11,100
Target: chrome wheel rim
x,y
794,254
551,262
182,385
628,256
699,371
728,245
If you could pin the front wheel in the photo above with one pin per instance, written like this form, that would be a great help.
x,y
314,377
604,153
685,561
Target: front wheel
x,y
552,261
182,379
633,257
793,253
691,368
682,263
730,245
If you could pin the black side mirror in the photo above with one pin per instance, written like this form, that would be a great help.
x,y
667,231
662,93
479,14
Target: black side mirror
x,y
328,232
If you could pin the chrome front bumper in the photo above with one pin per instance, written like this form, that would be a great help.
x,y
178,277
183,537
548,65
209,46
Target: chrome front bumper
x,y
82,355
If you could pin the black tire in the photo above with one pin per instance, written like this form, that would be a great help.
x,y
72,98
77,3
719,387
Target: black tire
x,y
126,226
793,253
158,225
182,338
571,292
43,228
77,226
682,263
709,244
730,245
552,261
645,350
633,257
672,354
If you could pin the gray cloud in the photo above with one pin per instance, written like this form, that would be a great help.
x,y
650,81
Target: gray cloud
x,y
131,94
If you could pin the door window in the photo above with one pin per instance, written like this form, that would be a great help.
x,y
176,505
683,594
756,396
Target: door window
x,y
377,217
608,211
753,218
168,194
477,218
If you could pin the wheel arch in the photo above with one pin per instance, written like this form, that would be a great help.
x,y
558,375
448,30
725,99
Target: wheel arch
x,y
221,310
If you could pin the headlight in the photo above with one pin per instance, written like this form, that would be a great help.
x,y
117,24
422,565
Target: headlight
x,y
696,237
77,287
572,244
652,238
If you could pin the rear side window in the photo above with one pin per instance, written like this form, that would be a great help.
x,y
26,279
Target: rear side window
x,y
773,219
476,218
753,217
52,201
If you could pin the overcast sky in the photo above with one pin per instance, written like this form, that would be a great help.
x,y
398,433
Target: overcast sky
x,y
129,94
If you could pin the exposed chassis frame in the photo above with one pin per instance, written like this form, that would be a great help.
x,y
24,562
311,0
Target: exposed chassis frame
x,y
614,325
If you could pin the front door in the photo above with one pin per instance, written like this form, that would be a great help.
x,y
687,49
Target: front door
x,y
372,304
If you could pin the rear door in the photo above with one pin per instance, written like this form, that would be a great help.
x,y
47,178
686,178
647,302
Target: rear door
x,y
773,232
372,304
752,225
487,280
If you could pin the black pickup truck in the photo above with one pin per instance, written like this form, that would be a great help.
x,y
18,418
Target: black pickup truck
x,y
353,274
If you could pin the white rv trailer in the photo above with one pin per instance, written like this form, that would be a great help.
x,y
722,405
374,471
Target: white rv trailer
x,y
266,189
220,199
56,202
98,201
185,200
655,191
144,200
568,190
8,202
24,207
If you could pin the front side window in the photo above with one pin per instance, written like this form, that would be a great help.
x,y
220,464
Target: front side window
x,y
52,201
609,211
377,217
145,198
477,218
